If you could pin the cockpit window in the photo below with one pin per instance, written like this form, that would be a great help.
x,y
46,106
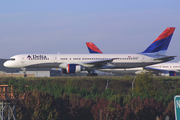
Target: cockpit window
x,y
12,59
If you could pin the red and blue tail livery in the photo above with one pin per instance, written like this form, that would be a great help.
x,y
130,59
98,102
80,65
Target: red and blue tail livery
x,y
93,48
160,45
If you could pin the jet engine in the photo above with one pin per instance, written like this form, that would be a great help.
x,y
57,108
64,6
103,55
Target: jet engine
x,y
71,68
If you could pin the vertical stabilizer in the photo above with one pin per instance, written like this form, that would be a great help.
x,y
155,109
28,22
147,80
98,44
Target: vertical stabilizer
x,y
160,45
93,48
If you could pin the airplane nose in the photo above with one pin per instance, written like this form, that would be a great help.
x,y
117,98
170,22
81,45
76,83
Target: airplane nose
x,y
5,64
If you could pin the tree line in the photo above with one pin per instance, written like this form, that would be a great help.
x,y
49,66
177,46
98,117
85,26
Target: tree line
x,y
49,100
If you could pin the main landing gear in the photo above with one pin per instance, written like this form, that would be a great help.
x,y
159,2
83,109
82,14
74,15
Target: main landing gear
x,y
91,73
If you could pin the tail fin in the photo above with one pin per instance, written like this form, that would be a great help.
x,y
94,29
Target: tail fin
x,y
92,48
160,45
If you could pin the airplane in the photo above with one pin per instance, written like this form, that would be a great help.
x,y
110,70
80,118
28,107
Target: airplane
x,y
163,69
73,63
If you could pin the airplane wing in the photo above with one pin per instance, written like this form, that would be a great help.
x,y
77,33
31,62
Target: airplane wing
x,y
159,70
154,69
98,63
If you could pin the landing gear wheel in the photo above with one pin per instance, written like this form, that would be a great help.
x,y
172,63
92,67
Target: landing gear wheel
x,y
25,75
24,71
95,74
92,74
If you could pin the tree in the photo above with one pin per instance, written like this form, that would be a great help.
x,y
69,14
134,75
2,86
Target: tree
x,y
38,105
144,86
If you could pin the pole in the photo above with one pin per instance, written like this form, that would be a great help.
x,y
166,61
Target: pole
x,y
133,84
107,83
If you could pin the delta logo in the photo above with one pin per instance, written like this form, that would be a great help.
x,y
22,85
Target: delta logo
x,y
29,57
37,57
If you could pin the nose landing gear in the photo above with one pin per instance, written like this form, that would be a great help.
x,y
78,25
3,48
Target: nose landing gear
x,y
24,71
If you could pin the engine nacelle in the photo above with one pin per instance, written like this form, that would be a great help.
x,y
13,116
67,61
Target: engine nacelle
x,y
169,73
172,73
71,68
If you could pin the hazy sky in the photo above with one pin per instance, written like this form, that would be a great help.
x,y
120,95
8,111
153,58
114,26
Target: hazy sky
x,y
115,26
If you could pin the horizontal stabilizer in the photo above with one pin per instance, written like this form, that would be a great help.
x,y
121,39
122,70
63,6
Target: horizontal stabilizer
x,y
160,70
154,69
165,58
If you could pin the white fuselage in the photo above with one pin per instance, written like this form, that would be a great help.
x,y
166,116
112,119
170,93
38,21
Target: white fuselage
x,y
86,60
